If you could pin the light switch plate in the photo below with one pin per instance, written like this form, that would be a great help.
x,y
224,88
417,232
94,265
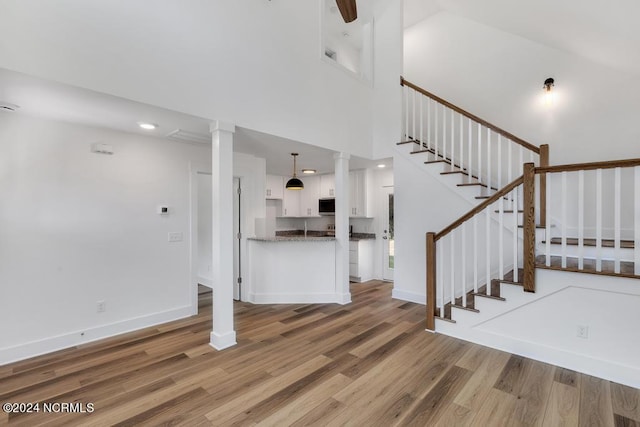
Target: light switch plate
x,y
175,236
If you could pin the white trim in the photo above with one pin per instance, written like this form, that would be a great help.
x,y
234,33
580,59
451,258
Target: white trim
x,y
204,282
299,298
60,342
221,342
409,296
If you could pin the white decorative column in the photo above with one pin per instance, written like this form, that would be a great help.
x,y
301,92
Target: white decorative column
x,y
223,334
342,227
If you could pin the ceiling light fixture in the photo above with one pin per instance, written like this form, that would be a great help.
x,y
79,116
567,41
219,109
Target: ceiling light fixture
x,y
382,165
148,126
308,171
549,93
294,183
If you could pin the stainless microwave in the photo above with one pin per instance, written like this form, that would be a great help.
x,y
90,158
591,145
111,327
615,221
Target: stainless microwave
x,y
327,206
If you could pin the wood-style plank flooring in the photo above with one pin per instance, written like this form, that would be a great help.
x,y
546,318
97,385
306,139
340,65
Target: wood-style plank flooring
x,y
369,363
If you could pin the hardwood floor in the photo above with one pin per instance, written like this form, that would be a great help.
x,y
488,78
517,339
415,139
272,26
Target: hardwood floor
x,y
369,363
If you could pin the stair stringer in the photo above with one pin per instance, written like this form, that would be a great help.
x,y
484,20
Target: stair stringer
x,y
531,336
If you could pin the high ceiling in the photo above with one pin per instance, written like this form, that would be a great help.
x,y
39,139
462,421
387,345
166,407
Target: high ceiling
x,y
56,101
606,32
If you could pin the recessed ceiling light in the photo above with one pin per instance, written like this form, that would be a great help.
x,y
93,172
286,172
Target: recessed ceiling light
x,y
308,171
382,165
148,126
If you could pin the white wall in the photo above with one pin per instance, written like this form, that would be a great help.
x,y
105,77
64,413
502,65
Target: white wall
x,y
422,204
498,76
387,66
254,63
205,250
77,228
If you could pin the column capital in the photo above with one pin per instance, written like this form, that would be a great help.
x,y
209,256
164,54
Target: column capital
x,y
345,156
219,125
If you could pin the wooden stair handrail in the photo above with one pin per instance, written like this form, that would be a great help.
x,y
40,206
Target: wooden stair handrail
x,y
574,167
501,193
473,117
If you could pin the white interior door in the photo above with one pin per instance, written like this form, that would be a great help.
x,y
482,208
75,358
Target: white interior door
x,y
388,251
237,229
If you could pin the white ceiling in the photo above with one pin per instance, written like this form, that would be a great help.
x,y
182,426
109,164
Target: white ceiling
x,y
606,32
52,100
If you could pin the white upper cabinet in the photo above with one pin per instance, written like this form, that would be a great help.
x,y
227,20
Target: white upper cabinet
x,y
274,189
327,186
358,193
291,202
309,196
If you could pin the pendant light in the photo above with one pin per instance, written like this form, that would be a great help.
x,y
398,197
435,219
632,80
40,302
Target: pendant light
x,y
294,183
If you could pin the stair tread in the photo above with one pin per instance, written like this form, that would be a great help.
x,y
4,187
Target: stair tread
x,y
407,142
538,226
589,266
508,211
606,243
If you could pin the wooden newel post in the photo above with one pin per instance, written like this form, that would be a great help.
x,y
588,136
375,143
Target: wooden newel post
x,y
529,228
431,281
544,162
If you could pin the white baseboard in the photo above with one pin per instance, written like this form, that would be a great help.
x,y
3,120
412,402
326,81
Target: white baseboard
x,y
205,282
60,342
302,298
409,296
222,341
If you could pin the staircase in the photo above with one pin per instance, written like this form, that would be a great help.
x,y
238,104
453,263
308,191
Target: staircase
x,y
520,223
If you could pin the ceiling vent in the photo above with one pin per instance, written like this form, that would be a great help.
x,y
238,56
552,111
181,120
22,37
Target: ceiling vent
x,y
6,106
186,136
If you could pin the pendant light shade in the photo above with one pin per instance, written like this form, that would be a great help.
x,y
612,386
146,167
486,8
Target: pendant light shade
x,y
294,183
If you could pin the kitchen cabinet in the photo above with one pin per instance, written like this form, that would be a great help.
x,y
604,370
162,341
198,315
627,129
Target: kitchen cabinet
x,y
274,187
309,196
361,260
327,186
358,193
291,203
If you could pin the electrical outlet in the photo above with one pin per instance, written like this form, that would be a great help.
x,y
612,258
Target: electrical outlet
x,y
582,331
101,306
175,236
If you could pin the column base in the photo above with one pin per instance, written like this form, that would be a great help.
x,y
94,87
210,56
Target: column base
x,y
344,299
220,342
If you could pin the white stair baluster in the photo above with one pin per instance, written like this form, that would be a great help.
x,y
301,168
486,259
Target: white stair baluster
x,y
564,220
479,152
514,231
429,138
453,141
435,137
521,162
599,220
488,247
444,133
440,262
470,149
488,161
501,237
463,250
406,113
499,148
636,222
413,115
547,231
581,220
617,193
461,138
475,253
422,145
452,264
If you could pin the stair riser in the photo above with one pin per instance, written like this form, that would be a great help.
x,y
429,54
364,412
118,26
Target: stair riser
x,y
588,252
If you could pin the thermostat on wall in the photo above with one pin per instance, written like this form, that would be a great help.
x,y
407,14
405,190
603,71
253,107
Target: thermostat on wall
x,y
163,210
101,148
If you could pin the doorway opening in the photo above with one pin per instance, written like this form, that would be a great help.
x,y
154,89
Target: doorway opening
x,y
388,261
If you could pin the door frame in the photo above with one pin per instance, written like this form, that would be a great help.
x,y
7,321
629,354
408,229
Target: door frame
x,y
387,273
